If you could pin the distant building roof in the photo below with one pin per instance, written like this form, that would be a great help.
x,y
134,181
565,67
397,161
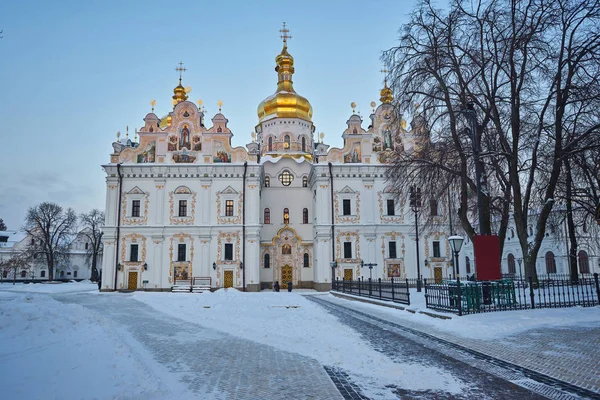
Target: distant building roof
x,y
10,238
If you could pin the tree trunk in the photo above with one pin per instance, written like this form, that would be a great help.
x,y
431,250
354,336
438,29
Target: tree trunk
x,y
94,268
571,223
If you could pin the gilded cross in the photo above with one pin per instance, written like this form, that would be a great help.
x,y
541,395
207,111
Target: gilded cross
x,y
180,69
284,34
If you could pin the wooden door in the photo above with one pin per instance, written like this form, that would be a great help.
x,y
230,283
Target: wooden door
x,y
228,279
286,276
132,280
437,274
348,274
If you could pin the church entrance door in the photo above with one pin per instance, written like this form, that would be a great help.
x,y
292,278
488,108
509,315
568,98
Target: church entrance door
x,y
437,274
348,274
132,280
228,279
286,276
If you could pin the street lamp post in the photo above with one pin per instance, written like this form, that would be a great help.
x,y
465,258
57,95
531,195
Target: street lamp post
x,y
370,265
456,243
333,266
471,115
415,205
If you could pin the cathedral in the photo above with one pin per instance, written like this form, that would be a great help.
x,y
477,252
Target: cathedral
x,y
183,205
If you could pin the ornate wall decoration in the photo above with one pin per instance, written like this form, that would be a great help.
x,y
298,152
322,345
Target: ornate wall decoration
x,y
185,194
347,236
383,217
143,218
133,238
112,186
352,219
228,237
323,186
222,219
184,266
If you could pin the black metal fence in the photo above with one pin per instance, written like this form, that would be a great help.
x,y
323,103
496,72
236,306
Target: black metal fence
x,y
396,290
462,297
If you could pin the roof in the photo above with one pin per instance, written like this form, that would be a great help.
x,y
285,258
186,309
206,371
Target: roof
x,y
13,237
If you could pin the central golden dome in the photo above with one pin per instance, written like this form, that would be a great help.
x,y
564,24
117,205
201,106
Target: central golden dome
x,y
285,102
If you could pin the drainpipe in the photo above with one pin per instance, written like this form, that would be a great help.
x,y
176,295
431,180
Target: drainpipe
x,y
244,226
332,222
118,221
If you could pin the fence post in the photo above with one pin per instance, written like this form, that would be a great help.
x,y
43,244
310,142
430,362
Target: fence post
x,y
370,288
408,292
459,298
531,292
425,286
359,282
379,279
597,286
392,289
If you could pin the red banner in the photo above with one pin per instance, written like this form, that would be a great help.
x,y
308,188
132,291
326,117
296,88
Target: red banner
x,y
487,257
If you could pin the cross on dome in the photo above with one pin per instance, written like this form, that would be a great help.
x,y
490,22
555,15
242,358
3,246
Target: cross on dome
x,y
284,34
180,69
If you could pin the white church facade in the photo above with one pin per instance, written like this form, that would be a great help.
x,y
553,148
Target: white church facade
x,y
183,203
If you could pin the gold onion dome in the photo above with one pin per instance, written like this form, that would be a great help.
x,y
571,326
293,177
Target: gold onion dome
x,y
285,102
386,94
180,94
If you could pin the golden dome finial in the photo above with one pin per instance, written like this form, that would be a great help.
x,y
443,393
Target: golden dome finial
x,y
321,136
200,102
373,104
353,105
180,93
118,134
220,104
153,103
284,35
387,96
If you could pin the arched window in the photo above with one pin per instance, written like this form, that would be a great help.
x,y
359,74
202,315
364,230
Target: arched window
x,y
23,274
267,216
286,216
62,274
550,263
267,261
468,264
286,249
270,145
304,144
305,216
512,269
267,181
584,265
433,205
306,264
286,178
286,142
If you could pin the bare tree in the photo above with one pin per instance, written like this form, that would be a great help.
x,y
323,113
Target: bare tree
x,y
51,230
91,224
531,70
17,262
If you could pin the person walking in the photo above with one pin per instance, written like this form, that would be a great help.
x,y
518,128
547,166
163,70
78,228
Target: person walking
x,y
100,281
276,286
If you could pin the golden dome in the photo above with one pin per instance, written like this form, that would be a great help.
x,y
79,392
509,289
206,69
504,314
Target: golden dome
x,y
180,94
386,94
285,102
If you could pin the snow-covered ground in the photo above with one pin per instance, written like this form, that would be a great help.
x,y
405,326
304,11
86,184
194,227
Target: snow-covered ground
x,y
49,349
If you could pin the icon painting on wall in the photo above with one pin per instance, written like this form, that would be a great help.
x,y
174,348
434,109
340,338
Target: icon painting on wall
x,y
184,138
222,157
181,272
148,154
355,154
393,271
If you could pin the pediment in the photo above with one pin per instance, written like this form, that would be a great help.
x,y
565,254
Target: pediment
x,y
183,190
347,189
136,190
229,190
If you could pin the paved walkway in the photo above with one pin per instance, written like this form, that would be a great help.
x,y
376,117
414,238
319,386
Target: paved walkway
x,y
568,354
213,365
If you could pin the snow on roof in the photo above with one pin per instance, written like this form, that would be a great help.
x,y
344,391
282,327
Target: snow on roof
x,y
13,237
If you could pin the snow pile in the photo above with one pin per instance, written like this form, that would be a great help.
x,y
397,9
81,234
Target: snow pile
x,y
50,287
290,322
51,350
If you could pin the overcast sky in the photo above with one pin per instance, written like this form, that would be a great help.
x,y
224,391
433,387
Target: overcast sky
x,y
73,73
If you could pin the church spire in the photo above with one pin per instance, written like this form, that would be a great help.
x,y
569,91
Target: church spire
x,y
180,94
285,64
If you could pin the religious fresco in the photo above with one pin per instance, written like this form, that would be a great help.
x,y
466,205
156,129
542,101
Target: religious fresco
x,y
197,143
387,140
376,144
393,271
181,271
172,145
355,154
222,157
184,138
184,157
149,153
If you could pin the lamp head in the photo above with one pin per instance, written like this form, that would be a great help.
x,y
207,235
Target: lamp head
x,y
362,263
146,266
426,262
333,264
214,265
241,265
456,243
118,266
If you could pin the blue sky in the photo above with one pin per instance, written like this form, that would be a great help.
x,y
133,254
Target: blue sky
x,y
73,73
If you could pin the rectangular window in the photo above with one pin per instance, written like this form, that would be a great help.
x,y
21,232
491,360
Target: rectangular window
x,y
391,209
228,251
392,249
346,208
43,274
229,208
135,208
133,252
436,249
183,208
87,245
74,274
181,252
347,249
434,208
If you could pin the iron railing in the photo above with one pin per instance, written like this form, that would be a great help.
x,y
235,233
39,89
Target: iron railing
x,y
395,290
512,294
